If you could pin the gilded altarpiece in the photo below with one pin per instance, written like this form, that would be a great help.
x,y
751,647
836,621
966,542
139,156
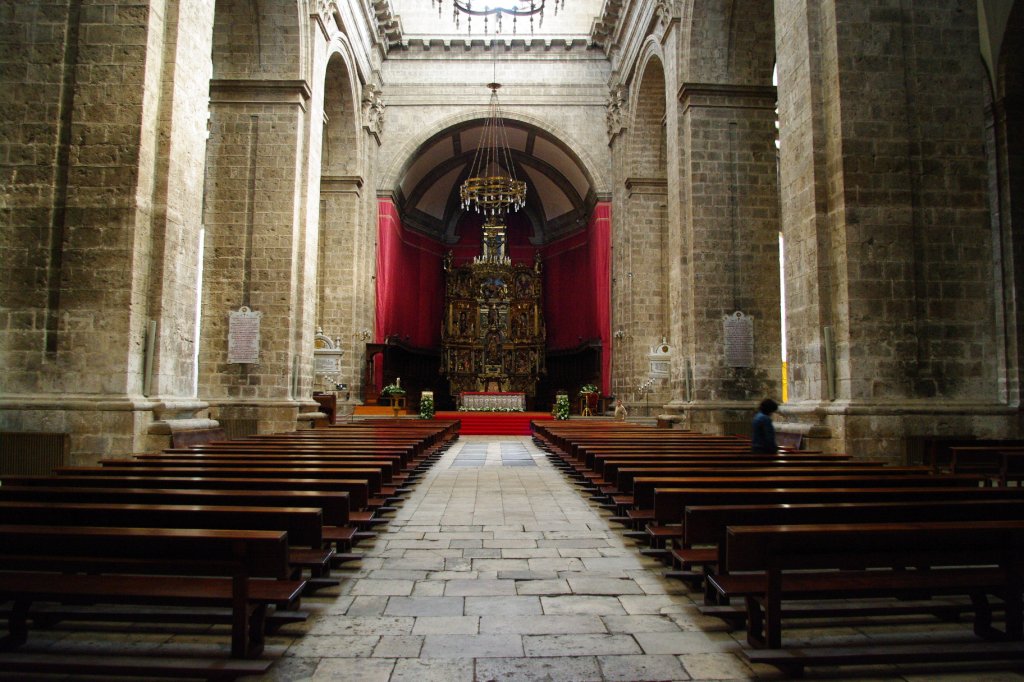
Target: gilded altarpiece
x,y
492,336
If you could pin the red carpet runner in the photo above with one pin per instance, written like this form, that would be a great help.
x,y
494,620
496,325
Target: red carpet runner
x,y
495,423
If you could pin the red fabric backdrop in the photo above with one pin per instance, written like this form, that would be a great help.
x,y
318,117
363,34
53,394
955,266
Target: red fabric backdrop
x,y
577,289
577,280
410,282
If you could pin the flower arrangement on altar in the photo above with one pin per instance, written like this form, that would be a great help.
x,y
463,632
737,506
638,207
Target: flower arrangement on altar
x,y
587,389
393,389
561,410
491,409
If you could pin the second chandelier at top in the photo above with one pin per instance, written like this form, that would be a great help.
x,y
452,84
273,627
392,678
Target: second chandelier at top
x,y
514,9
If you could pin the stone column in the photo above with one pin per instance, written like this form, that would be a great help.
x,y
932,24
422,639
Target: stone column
x,y
104,187
340,270
642,286
729,258
886,225
255,248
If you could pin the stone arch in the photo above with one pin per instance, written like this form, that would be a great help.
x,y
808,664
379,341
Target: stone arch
x,y
406,154
341,245
641,229
341,107
647,148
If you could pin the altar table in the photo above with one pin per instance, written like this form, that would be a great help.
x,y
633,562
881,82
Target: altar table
x,y
493,400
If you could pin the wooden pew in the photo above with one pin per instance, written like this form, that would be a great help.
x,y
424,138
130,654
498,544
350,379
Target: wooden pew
x,y
246,570
704,526
344,533
371,476
342,526
304,525
853,561
1001,463
381,472
670,508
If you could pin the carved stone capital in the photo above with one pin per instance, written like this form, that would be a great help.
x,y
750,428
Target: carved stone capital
x,y
616,110
373,109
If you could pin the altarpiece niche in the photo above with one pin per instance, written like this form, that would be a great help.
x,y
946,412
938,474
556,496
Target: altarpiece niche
x,y
493,334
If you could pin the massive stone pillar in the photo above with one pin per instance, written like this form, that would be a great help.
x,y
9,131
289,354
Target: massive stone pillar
x,y
729,314
889,253
104,187
255,250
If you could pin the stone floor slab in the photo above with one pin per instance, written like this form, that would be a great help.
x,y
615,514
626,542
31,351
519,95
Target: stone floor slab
x,y
472,646
579,645
562,669
641,668
362,669
503,606
433,670
447,625
571,604
542,625
424,606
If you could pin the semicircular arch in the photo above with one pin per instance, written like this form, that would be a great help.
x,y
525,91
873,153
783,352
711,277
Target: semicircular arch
x,y
406,154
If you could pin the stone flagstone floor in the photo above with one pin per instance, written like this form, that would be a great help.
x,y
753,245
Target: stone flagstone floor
x,y
496,568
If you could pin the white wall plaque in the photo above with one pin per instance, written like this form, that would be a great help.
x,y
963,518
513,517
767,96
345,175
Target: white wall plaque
x,y
660,359
327,361
739,340
244,336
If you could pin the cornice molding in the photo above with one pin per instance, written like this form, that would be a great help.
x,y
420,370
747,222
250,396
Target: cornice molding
x,y
726,95
341,184
252,91
646,185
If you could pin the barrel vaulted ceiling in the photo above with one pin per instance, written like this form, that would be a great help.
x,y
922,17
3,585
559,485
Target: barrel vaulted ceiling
x,y
559,194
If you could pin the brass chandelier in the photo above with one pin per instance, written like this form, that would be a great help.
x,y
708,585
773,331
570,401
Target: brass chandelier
x,y
514,8
492,188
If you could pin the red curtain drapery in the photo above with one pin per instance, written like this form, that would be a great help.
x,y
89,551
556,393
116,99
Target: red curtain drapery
x,y
577,280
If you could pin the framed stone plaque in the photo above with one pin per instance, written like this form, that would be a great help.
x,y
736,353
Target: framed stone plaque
x,y
244,336
739,340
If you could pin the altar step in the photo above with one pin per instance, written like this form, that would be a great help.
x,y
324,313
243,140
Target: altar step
x,y
377,411
495,423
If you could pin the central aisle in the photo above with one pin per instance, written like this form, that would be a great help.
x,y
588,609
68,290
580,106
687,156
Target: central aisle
x,y
496,568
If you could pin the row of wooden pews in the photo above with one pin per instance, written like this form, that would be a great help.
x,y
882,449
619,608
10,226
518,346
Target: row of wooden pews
x,y
775,540
233,532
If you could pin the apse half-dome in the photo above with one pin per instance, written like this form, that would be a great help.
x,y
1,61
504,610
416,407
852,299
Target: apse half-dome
x,y
560,195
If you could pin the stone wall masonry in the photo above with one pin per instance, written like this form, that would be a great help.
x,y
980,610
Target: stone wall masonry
x,y
85,133
178,194
251,250
34,135
260,41
918,249
804,52
731,222
647,143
